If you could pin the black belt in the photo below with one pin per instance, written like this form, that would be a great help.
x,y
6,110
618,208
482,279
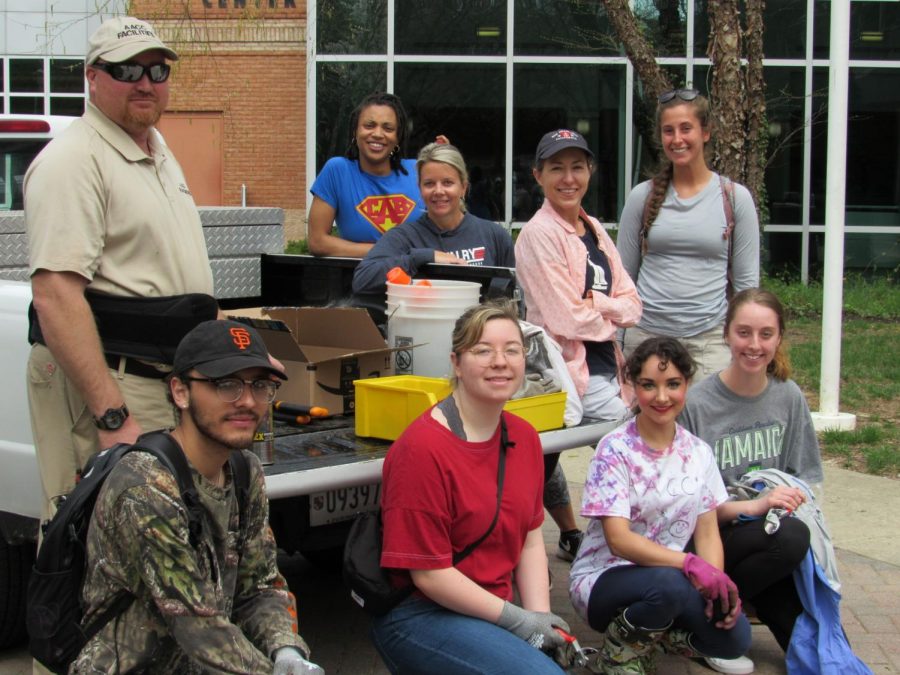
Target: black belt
x,y
135,367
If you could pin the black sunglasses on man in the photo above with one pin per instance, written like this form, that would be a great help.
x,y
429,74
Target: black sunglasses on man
x,y
134,72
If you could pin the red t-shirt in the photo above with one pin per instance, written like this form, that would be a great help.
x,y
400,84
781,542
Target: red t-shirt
x,y
440,493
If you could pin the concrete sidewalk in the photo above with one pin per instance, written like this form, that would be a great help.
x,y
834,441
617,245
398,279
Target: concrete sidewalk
x,y
862,514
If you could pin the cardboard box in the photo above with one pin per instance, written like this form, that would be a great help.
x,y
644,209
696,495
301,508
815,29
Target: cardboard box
x,y
323,349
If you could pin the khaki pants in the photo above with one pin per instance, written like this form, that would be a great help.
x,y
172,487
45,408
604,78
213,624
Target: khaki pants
x,y
708,349
62,426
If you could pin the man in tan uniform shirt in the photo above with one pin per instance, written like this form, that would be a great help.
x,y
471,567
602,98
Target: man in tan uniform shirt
x,y
110,219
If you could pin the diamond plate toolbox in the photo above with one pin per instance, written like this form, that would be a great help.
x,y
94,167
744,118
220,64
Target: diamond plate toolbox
x,y
235,238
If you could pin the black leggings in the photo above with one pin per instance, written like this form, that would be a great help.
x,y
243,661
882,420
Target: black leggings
x,y
762,566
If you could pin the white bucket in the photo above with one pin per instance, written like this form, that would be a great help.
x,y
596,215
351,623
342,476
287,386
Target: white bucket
x,y
425,316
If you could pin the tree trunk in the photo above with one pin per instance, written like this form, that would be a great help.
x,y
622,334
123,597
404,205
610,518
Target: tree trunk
x,y
757,126
737,92
637,49
727,92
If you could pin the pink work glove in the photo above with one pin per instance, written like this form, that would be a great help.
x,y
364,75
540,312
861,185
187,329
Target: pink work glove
x,y
713,584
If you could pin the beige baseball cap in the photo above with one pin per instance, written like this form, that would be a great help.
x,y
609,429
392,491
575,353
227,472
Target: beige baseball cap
x,y
122,38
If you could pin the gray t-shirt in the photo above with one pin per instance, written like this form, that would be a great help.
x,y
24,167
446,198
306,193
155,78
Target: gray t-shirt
x,y
771,431
683,276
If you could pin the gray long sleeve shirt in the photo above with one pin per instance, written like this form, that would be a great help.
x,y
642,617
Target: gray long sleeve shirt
x,y
683,276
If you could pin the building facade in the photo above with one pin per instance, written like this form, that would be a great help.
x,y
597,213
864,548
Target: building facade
x,y
263,93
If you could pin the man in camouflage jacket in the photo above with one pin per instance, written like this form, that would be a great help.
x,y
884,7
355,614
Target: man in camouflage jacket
x,y
221,606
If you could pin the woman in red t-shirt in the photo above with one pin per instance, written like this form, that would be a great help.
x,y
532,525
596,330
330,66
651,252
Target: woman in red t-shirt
x,y
440,495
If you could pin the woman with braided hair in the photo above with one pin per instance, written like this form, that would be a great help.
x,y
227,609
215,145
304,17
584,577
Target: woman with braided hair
x,y
688,237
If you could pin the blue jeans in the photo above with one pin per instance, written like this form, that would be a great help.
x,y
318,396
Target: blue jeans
x,y
654,597
420,636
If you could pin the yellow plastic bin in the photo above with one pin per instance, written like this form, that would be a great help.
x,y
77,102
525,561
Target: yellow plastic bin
x,y
543,412
385,406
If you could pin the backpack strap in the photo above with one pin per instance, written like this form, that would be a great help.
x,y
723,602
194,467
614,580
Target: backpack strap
x,y
728,206
644,214
240,477
161,445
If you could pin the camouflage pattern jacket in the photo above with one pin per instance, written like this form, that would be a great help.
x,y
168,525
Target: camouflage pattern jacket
x,y
222,607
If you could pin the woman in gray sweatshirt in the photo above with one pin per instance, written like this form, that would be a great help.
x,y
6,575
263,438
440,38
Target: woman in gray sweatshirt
x,y
445,233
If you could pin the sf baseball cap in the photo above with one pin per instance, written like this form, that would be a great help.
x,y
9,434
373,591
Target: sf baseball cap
x,y
123,38
219,348
554,141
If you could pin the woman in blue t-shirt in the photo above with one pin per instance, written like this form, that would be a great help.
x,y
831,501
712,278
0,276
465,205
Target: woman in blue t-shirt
x,y
371,188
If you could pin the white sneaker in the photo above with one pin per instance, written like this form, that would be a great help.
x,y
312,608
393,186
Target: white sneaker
x,y
739,666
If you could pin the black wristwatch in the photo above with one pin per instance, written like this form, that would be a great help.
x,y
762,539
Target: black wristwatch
x,y
112,419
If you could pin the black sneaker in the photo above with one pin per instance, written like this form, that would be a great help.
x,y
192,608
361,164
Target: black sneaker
x,y
568,544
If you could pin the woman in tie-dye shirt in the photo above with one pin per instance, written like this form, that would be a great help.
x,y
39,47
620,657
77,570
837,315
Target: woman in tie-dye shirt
x,y
651,491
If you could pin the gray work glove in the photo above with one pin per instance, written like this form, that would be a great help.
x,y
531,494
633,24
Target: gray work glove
x,y
536,628
289,661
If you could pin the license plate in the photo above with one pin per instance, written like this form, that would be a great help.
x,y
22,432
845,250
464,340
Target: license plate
x,y
333,506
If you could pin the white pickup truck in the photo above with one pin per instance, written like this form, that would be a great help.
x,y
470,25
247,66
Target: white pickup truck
x,y
322,475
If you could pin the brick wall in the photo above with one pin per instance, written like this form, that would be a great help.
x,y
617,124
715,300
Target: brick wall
x,y
249,65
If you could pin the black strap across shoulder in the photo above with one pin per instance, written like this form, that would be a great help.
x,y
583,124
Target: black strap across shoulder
x,y
501,473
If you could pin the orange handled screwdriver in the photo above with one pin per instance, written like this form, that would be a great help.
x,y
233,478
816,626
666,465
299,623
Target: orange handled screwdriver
x,y
296,409
291,419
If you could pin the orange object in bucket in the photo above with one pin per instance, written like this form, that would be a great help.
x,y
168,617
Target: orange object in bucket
x,y
396,275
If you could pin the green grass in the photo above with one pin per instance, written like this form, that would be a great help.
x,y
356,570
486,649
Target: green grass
x,y
864,298
870,369
297,246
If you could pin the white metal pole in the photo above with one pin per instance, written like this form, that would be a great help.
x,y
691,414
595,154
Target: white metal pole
x,y
828,416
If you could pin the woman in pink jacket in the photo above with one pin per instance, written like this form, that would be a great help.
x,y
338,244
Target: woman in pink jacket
x,y
575,286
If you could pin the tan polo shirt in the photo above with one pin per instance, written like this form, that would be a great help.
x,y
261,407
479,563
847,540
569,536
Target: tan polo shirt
x,y
97,205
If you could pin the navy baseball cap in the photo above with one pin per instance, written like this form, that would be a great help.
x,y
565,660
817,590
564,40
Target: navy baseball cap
x,y
554,141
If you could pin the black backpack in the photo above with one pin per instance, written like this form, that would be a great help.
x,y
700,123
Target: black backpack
x,y
54,612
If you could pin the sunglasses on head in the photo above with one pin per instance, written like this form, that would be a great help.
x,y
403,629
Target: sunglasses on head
x,y
134,72
683,94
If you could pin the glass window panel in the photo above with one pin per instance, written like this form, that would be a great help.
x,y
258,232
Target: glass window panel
x,y
584,98
2,71
874,30
67,76
14,160
781,253
351,26
67,105
26,105
665,24
819,148
465,102
472,27
873,136
339,88
784,172
26,75
784,29
564,28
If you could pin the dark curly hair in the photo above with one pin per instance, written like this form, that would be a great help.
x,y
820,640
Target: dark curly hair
x,y
393,102
667,350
